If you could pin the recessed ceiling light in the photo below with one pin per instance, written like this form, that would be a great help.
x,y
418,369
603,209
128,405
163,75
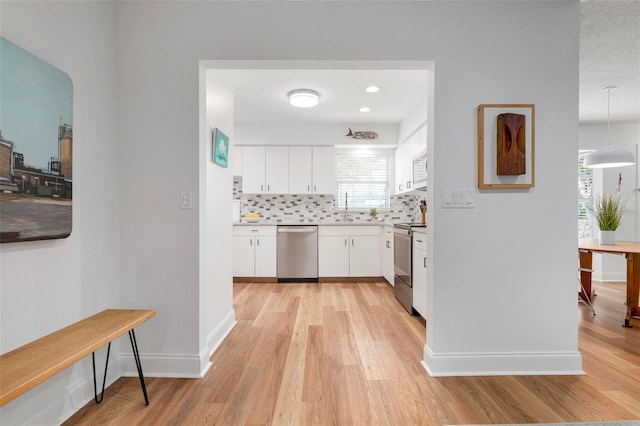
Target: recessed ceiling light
x,y
372,89
365,109
303,98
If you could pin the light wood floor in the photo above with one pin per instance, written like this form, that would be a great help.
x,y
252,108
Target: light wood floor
x,y
348,354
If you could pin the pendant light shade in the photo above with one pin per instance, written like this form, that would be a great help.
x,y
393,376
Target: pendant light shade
x,y
609,156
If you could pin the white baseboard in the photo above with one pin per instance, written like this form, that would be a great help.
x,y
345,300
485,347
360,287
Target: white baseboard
x,y
216,337
179,365
609,276
55,400
502,364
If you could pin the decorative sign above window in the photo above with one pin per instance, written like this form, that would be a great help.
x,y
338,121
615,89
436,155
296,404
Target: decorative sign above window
x,y
36,147
365,135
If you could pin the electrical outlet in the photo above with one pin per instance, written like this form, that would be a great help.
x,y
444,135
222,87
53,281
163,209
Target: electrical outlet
x,y
185,200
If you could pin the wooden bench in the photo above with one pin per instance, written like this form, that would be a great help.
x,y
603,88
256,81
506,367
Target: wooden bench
x,y
26,367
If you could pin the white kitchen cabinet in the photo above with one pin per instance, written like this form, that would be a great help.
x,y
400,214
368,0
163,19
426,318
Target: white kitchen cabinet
x,y
254,251
404,167
364,256
386,254
333,255
419,273
266,256
324,170
406,152
265,170
276,169
312,170
300,169
236,160
243,256
253,169
349,251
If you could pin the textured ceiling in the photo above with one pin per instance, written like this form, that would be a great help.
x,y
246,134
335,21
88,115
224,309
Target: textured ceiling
x,y
610,56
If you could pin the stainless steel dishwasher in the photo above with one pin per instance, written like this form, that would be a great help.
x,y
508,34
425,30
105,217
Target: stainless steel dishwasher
x,y
297,253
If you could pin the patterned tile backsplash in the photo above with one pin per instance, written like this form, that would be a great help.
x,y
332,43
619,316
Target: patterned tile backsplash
x,y
313,208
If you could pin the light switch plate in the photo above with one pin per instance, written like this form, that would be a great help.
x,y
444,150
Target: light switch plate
x,y
458,198
185,200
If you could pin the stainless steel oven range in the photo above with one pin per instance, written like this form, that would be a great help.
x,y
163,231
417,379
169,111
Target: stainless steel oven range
x,y
402,267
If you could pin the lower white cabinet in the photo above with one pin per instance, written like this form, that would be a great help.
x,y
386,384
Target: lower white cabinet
x,y
419,273
386,254
254,251
349,251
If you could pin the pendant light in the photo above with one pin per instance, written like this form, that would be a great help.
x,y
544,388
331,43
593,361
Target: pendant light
x,y
609,156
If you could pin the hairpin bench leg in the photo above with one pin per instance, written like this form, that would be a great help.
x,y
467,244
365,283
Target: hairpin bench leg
x,y
104,379
136,356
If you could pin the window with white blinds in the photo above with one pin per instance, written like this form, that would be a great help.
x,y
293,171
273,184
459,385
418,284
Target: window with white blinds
x,y
364,178
585,200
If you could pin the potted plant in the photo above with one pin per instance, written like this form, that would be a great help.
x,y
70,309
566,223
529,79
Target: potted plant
x,y
607,210
373,213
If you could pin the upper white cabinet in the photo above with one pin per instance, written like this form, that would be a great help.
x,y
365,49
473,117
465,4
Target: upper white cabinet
x,y
300,174
265,170
324,170
312,170
277,169
411,148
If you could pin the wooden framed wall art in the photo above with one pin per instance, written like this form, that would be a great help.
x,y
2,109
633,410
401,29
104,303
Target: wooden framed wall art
x,y
506,146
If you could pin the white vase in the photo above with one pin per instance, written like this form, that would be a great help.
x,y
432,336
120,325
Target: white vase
x,y
608,237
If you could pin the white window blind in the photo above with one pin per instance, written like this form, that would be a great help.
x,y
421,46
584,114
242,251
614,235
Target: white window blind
x,y
365,178
585,200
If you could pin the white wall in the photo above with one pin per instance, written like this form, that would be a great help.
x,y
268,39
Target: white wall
x,y
313,134
609,267
486,261
46,285
503,274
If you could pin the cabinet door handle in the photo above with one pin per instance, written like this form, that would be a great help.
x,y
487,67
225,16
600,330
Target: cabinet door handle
x,y
268,188
309,188
388,244
418,240
315,188
251,242
261,187
408,184
345,241
258,242
425,262
352,241
400,187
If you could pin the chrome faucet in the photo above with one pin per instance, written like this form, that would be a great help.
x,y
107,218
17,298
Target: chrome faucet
x,y
346,207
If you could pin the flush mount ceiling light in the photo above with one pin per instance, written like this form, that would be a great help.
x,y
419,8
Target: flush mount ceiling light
x,y
365,109
303,98
372,89
609,156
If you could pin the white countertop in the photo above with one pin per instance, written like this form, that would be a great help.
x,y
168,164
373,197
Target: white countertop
x,y
320,223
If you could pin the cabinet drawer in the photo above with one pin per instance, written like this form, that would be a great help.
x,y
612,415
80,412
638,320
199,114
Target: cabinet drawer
x,y
420,241
349,230
262,230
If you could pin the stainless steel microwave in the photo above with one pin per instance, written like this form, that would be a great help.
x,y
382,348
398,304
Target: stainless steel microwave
x,y
420,172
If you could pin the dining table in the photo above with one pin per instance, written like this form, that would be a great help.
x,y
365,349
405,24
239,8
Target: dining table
x,y
631,251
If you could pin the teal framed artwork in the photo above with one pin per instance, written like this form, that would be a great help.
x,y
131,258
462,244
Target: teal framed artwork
x,y
220,148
